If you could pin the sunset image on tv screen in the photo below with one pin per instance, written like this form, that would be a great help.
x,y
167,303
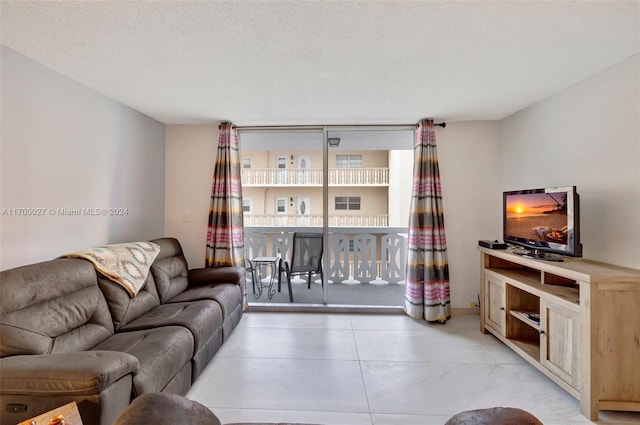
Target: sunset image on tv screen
x,y
537,216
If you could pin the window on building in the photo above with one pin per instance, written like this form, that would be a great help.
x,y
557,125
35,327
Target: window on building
x,y
281,205
246,205
281,162
347,203
348,161
246,162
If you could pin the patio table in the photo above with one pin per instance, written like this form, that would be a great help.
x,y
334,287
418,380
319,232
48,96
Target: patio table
x,y
273,263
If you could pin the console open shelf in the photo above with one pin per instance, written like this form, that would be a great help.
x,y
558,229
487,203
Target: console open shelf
x,y
528,348
523,316
588,320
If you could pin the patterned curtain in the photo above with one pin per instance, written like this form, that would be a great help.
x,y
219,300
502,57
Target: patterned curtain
x,y
427,293
225,234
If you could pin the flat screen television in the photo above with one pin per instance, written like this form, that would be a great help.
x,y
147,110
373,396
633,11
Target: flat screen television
x,y
542,221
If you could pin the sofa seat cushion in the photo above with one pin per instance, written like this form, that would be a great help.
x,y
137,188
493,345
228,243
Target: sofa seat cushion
x,y
161,353
227,295
201,318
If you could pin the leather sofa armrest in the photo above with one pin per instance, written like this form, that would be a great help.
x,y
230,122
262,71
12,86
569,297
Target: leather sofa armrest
x,y
76,373
209,276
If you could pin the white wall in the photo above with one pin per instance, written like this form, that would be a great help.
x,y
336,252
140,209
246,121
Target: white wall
x,y
400,184
469,161
588,136
64,145
191,154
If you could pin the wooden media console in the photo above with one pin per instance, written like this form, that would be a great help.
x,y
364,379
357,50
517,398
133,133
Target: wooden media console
x,y
577,321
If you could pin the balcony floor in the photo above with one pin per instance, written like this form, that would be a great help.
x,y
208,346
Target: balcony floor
x,y
363,294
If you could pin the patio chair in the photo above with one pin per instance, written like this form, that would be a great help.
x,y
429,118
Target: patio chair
x,y
306,258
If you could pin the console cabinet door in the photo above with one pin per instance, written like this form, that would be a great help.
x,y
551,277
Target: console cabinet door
x,y
494,293
559,340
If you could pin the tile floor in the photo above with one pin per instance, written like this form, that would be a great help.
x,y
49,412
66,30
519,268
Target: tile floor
x,y
339,293
364,369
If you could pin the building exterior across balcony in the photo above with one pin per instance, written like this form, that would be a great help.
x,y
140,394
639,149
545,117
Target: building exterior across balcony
x,y
368,195
366,188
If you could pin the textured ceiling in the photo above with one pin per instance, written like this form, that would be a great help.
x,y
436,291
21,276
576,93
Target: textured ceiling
x,y
316,62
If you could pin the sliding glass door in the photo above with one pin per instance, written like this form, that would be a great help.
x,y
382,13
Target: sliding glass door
x,y
350,184
369,193
282,183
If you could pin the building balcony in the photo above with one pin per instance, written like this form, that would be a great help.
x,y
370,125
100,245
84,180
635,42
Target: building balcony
x,y
267,177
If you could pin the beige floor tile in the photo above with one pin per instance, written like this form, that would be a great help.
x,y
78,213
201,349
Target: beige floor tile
x,y
281,384
295,416
295,320
291,343
448,388
381,322
379,419
420,346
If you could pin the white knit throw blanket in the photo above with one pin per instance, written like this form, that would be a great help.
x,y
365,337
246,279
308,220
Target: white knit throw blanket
x,y
127,264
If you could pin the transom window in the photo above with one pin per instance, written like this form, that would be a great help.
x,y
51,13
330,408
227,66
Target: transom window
x,y
348,161
347,203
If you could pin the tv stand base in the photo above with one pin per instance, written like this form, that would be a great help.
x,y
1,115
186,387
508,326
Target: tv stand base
x,y
538,255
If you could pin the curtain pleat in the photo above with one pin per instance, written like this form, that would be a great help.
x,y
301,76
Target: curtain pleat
x,y
225,234
427,292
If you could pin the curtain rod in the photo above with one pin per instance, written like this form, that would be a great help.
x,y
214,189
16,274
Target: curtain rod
x,y
316,127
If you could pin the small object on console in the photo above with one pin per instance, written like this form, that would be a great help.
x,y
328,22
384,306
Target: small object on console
x,y
553,257
492,244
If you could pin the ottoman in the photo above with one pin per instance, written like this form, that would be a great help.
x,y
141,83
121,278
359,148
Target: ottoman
x,y
171,409
494,416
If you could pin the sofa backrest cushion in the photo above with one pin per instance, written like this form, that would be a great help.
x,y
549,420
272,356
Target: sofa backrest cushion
x,y
125,308
52,307
170,269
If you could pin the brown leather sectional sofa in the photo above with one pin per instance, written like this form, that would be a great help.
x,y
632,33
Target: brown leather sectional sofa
x,y
70,334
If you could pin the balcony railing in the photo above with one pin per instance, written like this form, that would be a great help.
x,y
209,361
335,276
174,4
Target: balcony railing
x,y
266,220
356,255
313,177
